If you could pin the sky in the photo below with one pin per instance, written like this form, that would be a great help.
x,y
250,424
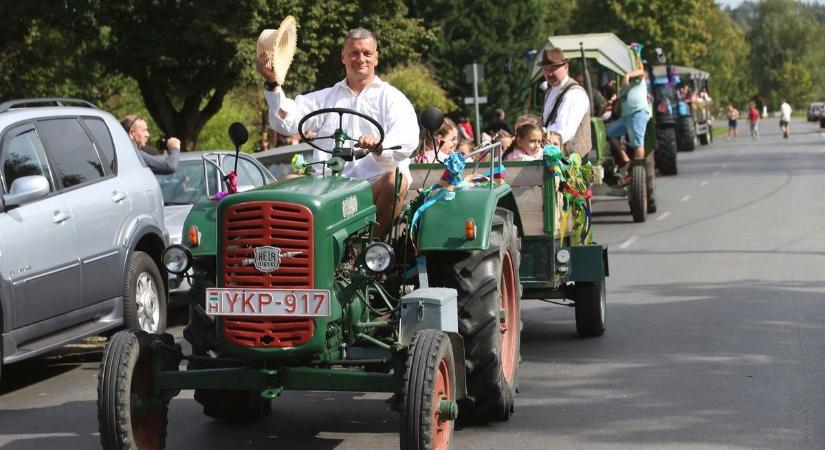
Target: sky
x,y
735,3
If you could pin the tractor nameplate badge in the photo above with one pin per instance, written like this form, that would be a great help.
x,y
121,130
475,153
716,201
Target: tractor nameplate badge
x,y
350,206
268,259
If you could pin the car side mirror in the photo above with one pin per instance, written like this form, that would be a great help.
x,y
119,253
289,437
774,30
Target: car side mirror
x,y
26,189
432,119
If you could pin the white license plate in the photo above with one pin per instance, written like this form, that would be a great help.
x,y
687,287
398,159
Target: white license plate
x,y
267,302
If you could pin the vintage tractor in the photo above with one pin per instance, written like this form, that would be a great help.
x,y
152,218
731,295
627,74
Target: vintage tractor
x,y
293,291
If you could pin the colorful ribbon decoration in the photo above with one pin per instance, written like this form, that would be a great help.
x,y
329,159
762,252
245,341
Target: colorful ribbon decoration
x,y
298,164
574,184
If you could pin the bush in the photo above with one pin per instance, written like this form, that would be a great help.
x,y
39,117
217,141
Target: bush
x,y
417,82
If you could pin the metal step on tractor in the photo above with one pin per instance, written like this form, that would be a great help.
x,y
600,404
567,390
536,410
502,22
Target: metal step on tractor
x,y
292,291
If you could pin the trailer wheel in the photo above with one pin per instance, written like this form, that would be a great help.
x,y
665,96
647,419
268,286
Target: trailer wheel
x,y
144,296
591,308
638,193
489,318
665,153
428,408
129,417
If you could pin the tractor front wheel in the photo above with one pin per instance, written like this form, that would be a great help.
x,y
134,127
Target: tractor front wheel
x,y
428,406
130,415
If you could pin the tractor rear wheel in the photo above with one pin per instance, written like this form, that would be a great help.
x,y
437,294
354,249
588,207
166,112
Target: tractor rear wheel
x,y
489,318
428,408
665,153
230,405
685,134
129,417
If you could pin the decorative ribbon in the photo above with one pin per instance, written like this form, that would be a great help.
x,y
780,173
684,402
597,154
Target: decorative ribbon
x,y
231,184
574,184
298,164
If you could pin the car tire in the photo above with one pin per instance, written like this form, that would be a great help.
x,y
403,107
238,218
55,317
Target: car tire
x,y
487,282
429,378
144,295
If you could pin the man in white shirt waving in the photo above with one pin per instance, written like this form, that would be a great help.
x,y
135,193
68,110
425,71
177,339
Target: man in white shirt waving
x,y
785,118
363,92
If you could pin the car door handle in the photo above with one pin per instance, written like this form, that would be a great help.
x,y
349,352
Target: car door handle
x,y
60,217
118,197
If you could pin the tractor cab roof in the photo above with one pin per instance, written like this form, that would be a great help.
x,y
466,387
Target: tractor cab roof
x,y
606,48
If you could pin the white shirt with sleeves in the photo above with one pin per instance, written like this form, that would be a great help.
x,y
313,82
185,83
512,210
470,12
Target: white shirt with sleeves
x,y
381,101
785,112
571,111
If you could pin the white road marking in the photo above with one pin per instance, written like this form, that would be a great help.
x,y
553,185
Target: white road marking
x,y
715,173
685,198
663,216
627,243
703,183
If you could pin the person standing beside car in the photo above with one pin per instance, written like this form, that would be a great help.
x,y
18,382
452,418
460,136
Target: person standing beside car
x,y
138,132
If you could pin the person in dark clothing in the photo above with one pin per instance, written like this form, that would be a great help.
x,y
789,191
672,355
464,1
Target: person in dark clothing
x,y
138,132
498,124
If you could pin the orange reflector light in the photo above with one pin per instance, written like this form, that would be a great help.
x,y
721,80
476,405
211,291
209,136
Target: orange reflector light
x,y
194,236
470,229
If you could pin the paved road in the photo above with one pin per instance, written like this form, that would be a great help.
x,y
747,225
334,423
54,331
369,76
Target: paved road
x,y
715,335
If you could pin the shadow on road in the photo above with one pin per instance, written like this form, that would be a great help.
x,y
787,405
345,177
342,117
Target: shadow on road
x,y
715,364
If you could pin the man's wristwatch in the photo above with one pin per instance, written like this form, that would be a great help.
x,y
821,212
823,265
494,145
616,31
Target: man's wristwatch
x,y
270,85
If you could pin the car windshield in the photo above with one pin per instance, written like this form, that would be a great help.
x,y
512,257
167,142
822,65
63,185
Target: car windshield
x,y
186,184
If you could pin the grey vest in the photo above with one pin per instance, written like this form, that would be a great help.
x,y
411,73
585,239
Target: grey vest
x,y
581,141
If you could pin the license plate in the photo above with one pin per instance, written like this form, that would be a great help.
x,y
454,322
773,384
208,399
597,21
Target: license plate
x,y
267,302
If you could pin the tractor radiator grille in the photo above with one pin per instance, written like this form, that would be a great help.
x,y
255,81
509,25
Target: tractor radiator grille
x,y
277,224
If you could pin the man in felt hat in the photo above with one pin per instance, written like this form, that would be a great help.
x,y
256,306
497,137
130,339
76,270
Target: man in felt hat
x,y
566,115
364,92
138,132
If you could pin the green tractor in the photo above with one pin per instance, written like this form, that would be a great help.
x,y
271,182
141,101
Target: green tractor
x,y
291,290
609,57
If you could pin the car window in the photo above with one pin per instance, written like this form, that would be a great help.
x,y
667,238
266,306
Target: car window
x,y
185,185
248,173
104,140
75,158
23,155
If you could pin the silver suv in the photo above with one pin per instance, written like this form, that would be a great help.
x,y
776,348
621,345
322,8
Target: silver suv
x,y
81,228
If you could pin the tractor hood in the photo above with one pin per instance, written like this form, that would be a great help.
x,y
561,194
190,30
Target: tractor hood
x,y
335,202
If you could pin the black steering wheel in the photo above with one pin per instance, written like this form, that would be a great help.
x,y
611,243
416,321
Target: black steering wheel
x,y
339,135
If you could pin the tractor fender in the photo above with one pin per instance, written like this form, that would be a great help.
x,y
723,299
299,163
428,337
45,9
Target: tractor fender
x,y
443,225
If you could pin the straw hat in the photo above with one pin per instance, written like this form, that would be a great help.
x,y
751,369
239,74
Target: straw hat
x,y
279,45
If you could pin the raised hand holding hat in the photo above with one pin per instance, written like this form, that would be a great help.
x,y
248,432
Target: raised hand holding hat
x,y
278,47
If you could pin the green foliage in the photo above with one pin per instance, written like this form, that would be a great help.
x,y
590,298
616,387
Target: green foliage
x,y
793,83
727,61
495,34
416,81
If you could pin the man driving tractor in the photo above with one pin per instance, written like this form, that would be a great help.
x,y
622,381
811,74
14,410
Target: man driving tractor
x,y
363,92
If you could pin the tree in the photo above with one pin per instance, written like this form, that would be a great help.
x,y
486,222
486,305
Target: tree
x,y
416,81
727,60
497,35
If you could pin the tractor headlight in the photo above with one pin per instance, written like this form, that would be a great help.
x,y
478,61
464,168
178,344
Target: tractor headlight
x,y
177,259
379,257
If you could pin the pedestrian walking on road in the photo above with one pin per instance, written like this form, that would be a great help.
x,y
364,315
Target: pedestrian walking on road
x,y
785,118
753,121
733,120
